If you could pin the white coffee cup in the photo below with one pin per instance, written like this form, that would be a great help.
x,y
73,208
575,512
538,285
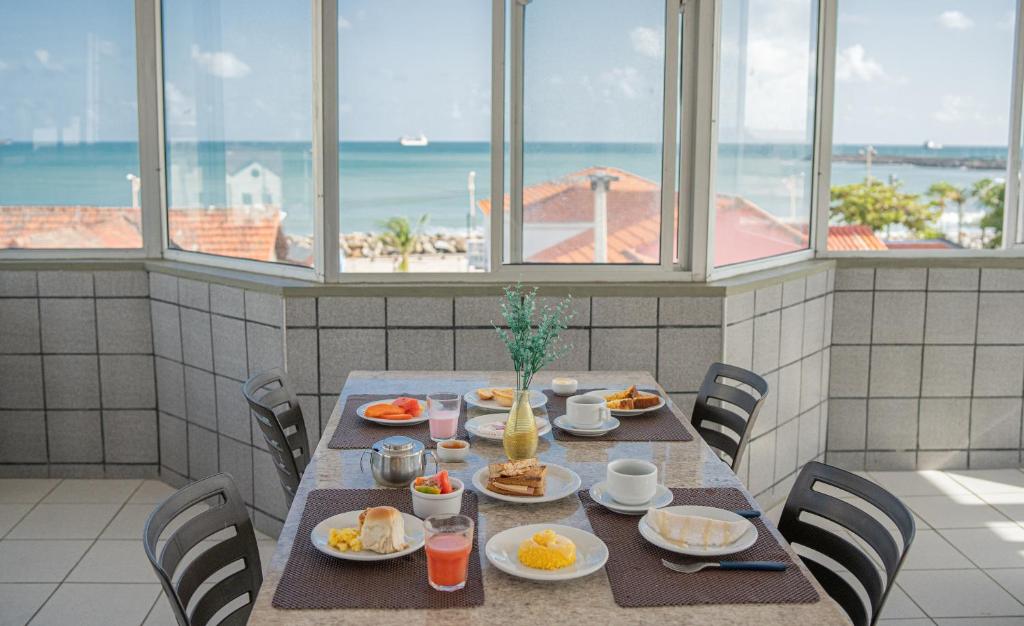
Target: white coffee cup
x,y
632,481
586,411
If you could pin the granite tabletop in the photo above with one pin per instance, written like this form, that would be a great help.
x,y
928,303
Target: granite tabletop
x,y
511,600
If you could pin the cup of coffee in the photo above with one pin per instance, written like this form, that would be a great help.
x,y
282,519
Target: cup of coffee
x,y
632,481
586,411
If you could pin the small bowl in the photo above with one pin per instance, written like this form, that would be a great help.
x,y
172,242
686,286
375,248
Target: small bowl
x,y
452,455
564,386
426,504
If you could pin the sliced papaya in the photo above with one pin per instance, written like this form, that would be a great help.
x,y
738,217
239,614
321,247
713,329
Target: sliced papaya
x,y
395,416
380,410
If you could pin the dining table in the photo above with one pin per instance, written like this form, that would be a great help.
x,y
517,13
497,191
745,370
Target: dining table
x,y
512,600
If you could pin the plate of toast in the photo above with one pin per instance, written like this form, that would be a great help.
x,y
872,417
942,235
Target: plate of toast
x,y
501,398
526,481
631,401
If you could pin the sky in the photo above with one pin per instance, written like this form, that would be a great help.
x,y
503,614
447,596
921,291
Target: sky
x,y
907,70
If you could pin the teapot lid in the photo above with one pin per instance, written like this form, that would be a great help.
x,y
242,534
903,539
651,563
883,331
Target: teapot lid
x,y
398,445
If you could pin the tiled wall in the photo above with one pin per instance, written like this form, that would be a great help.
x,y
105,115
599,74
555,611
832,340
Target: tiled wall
x,y
927,368
782,333
77,387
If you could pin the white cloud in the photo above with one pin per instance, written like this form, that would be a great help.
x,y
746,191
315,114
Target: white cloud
x,y
646,41
456,113
954,109
955,20
4,65
179,107
222,64
43,56
624,80
853,64
343,23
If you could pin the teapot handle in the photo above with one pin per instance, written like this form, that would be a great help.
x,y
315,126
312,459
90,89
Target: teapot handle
x,y
437,466
361,457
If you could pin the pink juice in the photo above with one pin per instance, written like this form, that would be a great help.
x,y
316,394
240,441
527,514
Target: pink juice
x,y
448,560
443,424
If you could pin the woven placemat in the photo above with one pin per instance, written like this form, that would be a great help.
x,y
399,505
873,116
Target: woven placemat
x,y
353,432
659,425
638,578
312,580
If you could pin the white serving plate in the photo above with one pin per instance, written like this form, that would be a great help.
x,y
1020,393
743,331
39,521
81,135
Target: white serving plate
x,y
537,400
560,482
746,540
414,536
502,551
361,412
599,493
475,426
601,393
605,427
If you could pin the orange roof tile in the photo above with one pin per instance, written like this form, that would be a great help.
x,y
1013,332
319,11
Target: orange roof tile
x,y
853,237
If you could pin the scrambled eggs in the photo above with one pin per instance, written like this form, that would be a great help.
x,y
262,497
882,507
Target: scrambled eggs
x,y
547,550
344,539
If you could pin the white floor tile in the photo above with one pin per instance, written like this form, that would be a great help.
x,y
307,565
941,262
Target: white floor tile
x,y
923,483
38,561
921,621
899,606
990,481
64,521
931,551
161,614
130,522
1009,504
981,621
958,593
999,545
100,605
1011,579
25,490
92,491
152,492
11,514
20,601
954,511
114,562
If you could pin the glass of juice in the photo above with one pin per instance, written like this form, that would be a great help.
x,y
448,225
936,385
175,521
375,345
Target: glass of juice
x,y
449,540
443,410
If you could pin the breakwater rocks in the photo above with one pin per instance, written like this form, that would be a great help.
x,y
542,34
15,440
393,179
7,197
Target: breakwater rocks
x,y
966,163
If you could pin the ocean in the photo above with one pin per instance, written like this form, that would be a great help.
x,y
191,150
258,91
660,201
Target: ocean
x,y
378,180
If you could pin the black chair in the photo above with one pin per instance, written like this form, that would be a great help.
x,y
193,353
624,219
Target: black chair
x,y
280,418
725,417
180,581
804,498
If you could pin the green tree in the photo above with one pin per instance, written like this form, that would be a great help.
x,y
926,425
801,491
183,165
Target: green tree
x,y
944,194
401,236
991,195
880,205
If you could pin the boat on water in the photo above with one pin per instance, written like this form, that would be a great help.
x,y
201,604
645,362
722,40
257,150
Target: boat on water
x,y
932,145
417,141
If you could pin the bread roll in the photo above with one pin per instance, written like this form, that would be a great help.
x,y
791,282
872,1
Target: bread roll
x,y
382,529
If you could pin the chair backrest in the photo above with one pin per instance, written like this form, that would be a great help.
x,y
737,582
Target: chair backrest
x,y
724,416
853,558
180,578
280,418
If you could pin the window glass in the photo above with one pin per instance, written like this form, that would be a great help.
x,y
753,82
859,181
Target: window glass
x,y
763,172
919,141
592,131
414,123
238,120
69,156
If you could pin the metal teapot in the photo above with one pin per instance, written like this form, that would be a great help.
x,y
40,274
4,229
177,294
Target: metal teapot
x,y
397,461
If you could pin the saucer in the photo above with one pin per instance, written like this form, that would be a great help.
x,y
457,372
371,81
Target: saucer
x,y
604,427
662,497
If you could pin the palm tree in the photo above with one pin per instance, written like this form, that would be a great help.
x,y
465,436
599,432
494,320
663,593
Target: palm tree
x,y
943,194
400,235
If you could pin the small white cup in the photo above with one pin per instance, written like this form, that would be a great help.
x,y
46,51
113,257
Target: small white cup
x,y
586,411
426,504
632,481
563,386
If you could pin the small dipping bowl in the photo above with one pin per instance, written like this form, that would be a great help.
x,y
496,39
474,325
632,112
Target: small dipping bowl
x,y
564,386
452,454
426,504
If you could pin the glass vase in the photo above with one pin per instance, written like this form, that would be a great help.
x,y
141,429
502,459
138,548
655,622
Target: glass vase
x,y
520,438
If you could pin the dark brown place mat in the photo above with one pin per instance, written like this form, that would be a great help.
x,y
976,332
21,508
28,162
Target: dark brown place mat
x,y
638,578
659,425
312,580
353,432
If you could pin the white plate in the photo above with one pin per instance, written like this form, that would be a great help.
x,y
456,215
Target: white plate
x,y
413,537
503,552
476,426
559,483
537,400
599,493
601,393
605,427
746,540
361,412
